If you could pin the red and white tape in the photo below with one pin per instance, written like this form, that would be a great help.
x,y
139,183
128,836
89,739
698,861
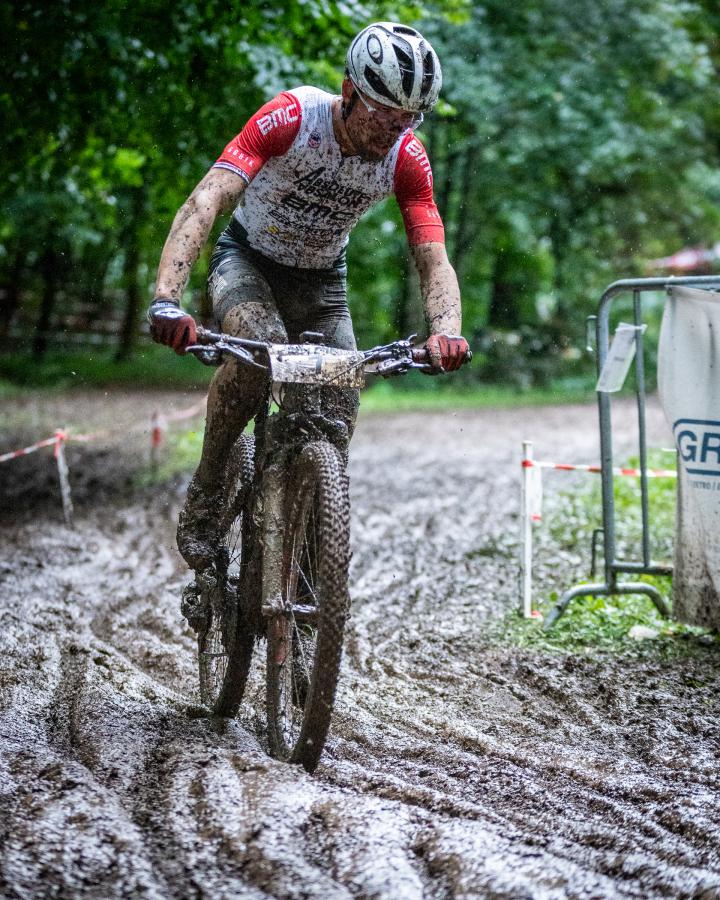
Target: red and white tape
x,y
157,423
61,437
531,508
14,454
566,467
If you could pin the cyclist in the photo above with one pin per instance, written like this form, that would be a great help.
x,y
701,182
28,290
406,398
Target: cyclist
x,y
299,175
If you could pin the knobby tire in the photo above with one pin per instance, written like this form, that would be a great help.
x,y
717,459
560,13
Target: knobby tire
x,y
303,661
226,645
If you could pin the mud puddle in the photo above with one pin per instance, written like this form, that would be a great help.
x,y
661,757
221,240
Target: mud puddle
x,y
456,767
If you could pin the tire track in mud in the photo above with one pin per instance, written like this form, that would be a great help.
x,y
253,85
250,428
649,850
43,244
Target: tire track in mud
x,y
454,769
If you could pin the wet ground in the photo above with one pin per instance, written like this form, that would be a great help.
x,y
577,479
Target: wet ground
x,y
457,766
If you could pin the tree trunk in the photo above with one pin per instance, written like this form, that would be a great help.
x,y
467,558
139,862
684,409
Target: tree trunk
x,y
11,300
133,300
410,311
49,265
467,224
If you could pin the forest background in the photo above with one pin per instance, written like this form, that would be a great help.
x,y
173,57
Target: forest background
x,y
575,142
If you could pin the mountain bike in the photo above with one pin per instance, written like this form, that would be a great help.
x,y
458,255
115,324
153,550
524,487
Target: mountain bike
x,y
281,568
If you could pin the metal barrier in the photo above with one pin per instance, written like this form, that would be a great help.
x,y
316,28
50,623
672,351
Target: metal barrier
x,y
615,567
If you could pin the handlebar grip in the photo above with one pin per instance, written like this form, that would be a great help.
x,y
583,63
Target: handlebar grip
x,y
420,355
204,336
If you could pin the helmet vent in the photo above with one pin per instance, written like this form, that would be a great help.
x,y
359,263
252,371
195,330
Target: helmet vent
x,y
403,29
375,49
428,73
407,69
378,85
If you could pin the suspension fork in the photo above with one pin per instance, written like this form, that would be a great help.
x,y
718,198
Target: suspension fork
x,y
273,508
273,602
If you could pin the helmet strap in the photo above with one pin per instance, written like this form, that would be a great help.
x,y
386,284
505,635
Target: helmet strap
x,y
347,108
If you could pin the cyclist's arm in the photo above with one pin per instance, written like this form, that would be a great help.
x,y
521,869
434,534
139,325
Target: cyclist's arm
x,y
218,192
438,287
413,187
269,132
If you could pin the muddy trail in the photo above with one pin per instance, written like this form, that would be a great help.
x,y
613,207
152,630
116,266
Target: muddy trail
x,y
458,766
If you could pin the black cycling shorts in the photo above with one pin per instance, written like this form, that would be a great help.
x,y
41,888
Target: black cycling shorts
x,y
255,297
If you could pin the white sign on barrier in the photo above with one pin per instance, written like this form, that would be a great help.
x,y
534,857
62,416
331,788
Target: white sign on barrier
x,y
619,359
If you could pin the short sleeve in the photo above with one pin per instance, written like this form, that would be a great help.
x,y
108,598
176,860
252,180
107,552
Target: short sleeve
x,y
270,132
413,186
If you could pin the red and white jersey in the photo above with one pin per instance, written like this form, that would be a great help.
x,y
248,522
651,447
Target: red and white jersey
x,y
304,197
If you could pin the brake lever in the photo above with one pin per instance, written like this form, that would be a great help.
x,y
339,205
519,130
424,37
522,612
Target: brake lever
x,y
207,354
242,354
211,354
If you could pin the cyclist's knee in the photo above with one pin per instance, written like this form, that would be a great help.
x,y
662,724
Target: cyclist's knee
x,y
237,386
257,321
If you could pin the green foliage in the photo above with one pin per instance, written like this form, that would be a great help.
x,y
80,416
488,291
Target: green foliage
x,y
602,625
553,171
153,365
178,456
416,393
567,150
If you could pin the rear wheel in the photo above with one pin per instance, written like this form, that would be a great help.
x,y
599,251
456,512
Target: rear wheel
x,y
225,643
305,641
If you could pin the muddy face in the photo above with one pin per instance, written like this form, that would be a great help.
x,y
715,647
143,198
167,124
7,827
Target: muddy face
x,y
373,139
372,133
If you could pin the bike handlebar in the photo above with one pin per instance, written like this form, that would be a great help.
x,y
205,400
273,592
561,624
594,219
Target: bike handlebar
x,y
246,351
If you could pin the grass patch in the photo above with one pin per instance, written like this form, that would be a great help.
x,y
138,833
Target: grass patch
x,y
410,393
60,371
598,623
179,455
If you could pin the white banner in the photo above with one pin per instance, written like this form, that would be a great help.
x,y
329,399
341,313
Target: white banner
x,y
689,385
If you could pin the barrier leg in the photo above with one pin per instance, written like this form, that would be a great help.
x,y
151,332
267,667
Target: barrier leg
x,y
526,534
63,473
607,590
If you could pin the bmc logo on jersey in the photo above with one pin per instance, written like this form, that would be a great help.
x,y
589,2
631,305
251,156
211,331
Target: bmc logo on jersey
x,y
698,443
284,115
417,151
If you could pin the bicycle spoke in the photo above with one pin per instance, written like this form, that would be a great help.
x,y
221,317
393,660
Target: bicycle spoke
x,y
300,643
308,584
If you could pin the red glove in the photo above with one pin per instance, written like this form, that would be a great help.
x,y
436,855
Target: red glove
x,y
446,351
171,325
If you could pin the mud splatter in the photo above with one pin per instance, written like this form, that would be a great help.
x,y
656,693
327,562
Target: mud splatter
x,y
455,768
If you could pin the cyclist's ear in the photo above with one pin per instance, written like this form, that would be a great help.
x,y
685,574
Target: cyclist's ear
x,y
348,93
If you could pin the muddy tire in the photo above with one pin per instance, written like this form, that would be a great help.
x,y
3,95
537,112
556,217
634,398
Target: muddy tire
x,y
304,650
225,643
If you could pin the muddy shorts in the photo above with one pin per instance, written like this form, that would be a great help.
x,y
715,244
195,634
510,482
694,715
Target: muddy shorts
x,y
256,298
269,301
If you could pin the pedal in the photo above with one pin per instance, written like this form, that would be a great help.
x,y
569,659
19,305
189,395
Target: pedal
x,y
192,606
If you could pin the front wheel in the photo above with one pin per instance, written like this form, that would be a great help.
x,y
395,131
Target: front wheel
x,y
304,644
225,638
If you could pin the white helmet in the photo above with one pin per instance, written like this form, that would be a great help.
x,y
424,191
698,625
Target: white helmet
x,y
396,66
